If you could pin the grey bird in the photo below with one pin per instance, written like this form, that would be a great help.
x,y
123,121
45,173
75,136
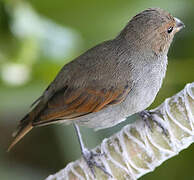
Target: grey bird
x,y
109,82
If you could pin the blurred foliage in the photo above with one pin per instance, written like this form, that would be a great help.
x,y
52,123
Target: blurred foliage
x,y
36,39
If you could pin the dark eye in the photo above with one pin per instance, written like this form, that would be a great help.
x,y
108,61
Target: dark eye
x,y
170,29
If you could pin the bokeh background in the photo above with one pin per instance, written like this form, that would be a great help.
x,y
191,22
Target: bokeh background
x,y
36,39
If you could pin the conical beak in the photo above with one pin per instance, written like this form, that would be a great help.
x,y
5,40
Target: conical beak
x,y
179,24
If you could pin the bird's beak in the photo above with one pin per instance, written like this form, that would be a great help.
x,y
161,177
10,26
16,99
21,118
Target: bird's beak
x,y
179,24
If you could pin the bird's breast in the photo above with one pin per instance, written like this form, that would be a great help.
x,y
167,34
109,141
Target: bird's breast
x,y
145,87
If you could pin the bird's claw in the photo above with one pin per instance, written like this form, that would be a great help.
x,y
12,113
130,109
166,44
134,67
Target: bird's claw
x,y
89,157
146,115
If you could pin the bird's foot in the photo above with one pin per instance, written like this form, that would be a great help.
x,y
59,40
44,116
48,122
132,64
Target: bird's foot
x,y
147,115
89,157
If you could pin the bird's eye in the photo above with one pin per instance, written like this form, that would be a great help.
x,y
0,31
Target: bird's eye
x,y
170,29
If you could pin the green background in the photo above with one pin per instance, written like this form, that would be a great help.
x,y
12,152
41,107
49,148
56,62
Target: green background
x,y
48,149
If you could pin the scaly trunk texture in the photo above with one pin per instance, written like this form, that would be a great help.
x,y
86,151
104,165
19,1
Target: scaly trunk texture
x,y
137,150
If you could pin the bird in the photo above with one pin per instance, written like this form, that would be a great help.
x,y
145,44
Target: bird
x,y
109,82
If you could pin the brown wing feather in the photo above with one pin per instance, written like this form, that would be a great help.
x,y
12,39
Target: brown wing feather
x,y
74,103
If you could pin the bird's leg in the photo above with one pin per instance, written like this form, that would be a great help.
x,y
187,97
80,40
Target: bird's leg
x,y
88,155
146,115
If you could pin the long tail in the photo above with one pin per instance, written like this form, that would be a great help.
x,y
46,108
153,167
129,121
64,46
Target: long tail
x,y
24,127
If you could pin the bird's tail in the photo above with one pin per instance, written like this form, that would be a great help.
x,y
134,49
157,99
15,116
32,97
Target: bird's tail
x,y
24,127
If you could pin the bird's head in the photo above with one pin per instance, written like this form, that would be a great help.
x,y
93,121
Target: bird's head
x,y
153,29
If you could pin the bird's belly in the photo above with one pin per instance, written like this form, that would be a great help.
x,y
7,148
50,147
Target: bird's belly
x,y
141,96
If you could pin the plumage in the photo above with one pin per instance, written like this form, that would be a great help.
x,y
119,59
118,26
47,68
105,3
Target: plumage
x,y
111,81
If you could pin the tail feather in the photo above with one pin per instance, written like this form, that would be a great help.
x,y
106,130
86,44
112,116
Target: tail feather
x,y
20,134
25,124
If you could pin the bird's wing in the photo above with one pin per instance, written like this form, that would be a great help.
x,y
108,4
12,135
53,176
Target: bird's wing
x,y
75,102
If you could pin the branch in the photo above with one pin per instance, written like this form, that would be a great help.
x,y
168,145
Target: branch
x,y
137,150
